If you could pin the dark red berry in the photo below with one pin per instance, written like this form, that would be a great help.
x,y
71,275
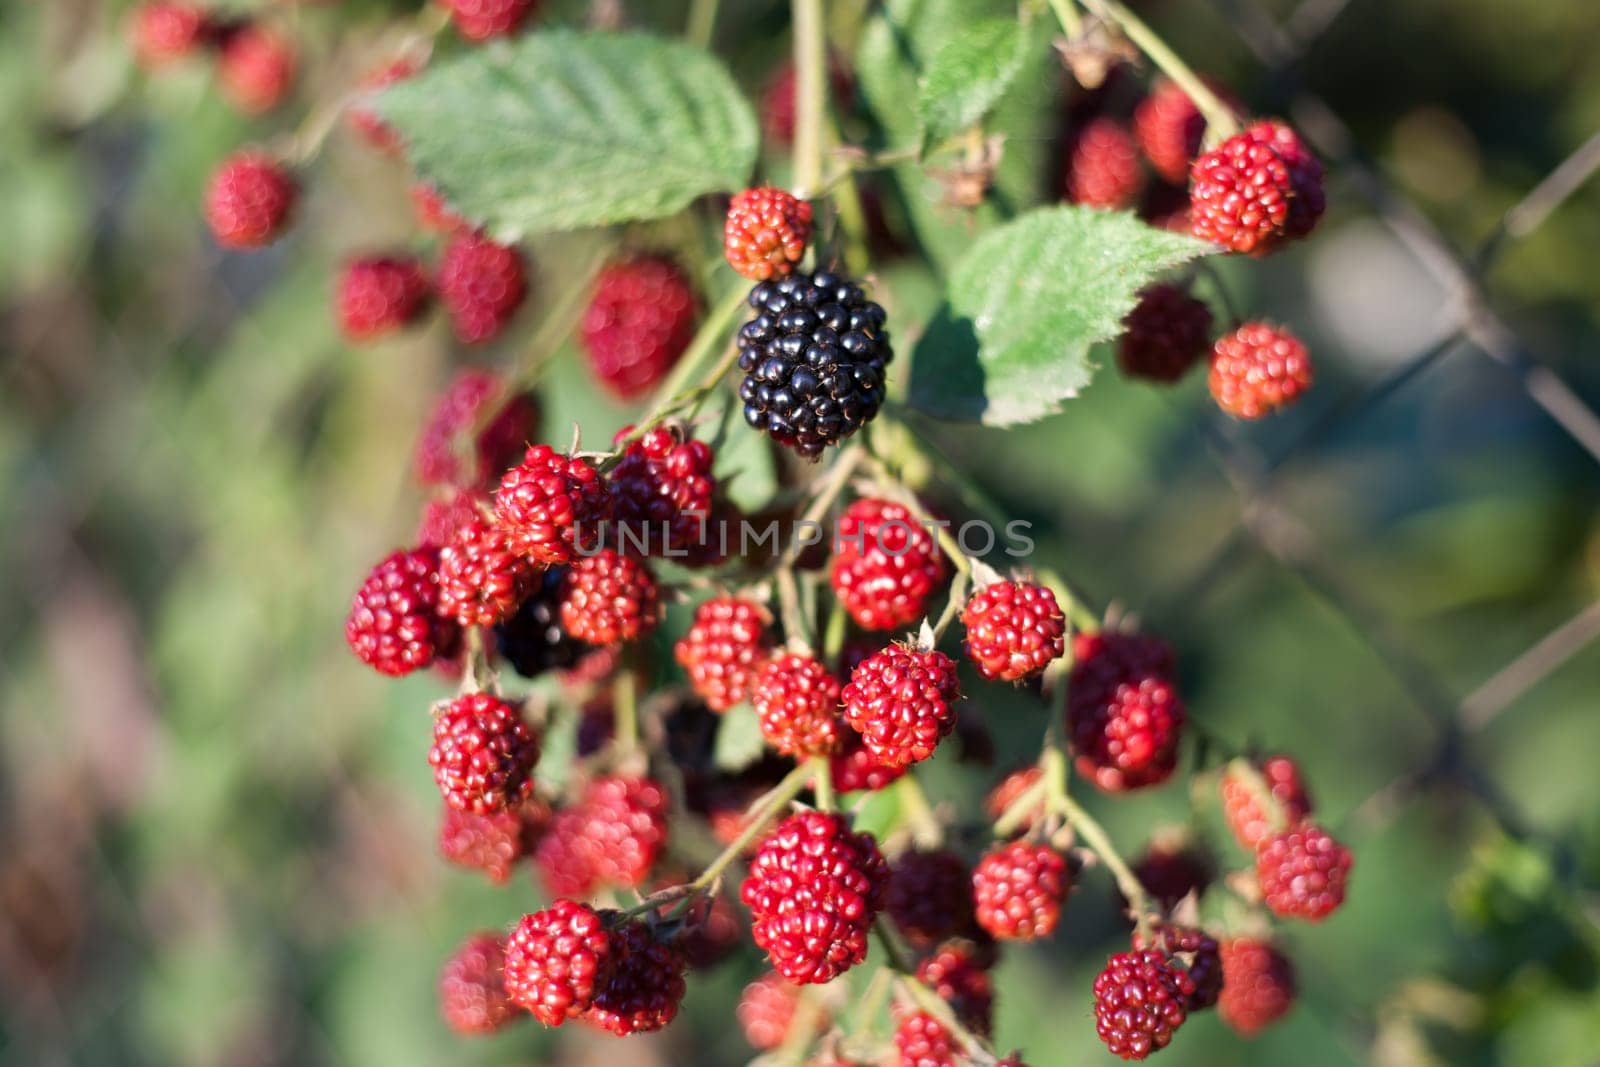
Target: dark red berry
x,y
662,492
483,754
556,959
479,20
472,994
1258,369
1169,128
162,32
478,429
1103,166
481,285
886,564
249,200
255,69
545,499
1302,872
1197,953
1139,1003
1256,190
1165,334
855,769
1019,889
956,975
644,986
608,598
814,889
379,295
394,625
1257,804
1014,630
920,1040
766,232
902,703
1124,714
1170,872
930,896
1258,985
492,843
798,701
640,319
724,649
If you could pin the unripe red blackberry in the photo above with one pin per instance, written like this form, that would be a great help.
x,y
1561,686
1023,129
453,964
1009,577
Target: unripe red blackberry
x,y
492,843
556,960
1197,953
640,319
1139,1003
1165,334
1302,872
624,829
1257,369
364,120
533,640
545,499
920,1040
766,1008
562,858
662,492
955,975
778,104
249,200
644,987
1170,872
1256,190
255,69
478,429
608,598
854,769
1010,790
798,701
886,565
394,625
1018,890
1014,630
724,649
1170,128
766,232
1124,714
815,359
929,896
814,889
479,20
433,212
472,993
1252,816
162,32
1258,985
482,580
902,702
483,754
1103,166
481,285
377,295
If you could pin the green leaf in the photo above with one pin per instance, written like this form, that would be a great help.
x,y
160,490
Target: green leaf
x,y
968,76
739,741
1026,303
560,130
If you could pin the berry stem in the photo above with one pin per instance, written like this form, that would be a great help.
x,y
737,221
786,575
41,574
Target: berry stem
x,y
625,703
1018,811
953,606
1054,762
827,491
1067,15
1220,122
926,830
802,1027
811,95
674,394
795,631
702,22
757,819
822,782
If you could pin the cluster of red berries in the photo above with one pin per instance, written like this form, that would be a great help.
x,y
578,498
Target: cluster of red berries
x,y
256,63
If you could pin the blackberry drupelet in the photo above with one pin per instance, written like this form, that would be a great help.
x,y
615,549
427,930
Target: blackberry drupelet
x,y
814,358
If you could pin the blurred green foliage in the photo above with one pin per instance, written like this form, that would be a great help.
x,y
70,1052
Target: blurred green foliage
x,y
218,830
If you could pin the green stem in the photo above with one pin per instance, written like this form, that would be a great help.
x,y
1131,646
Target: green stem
x,y
811,95
953,606
757,820
1067,15
673,395
794,621
1020,810
822,781
926,830
702,22
560,319
1094,835
1220,121
827,491
833,635
625,704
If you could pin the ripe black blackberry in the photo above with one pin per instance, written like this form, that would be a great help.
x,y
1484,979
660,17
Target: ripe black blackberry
x,y
814,360
533,640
